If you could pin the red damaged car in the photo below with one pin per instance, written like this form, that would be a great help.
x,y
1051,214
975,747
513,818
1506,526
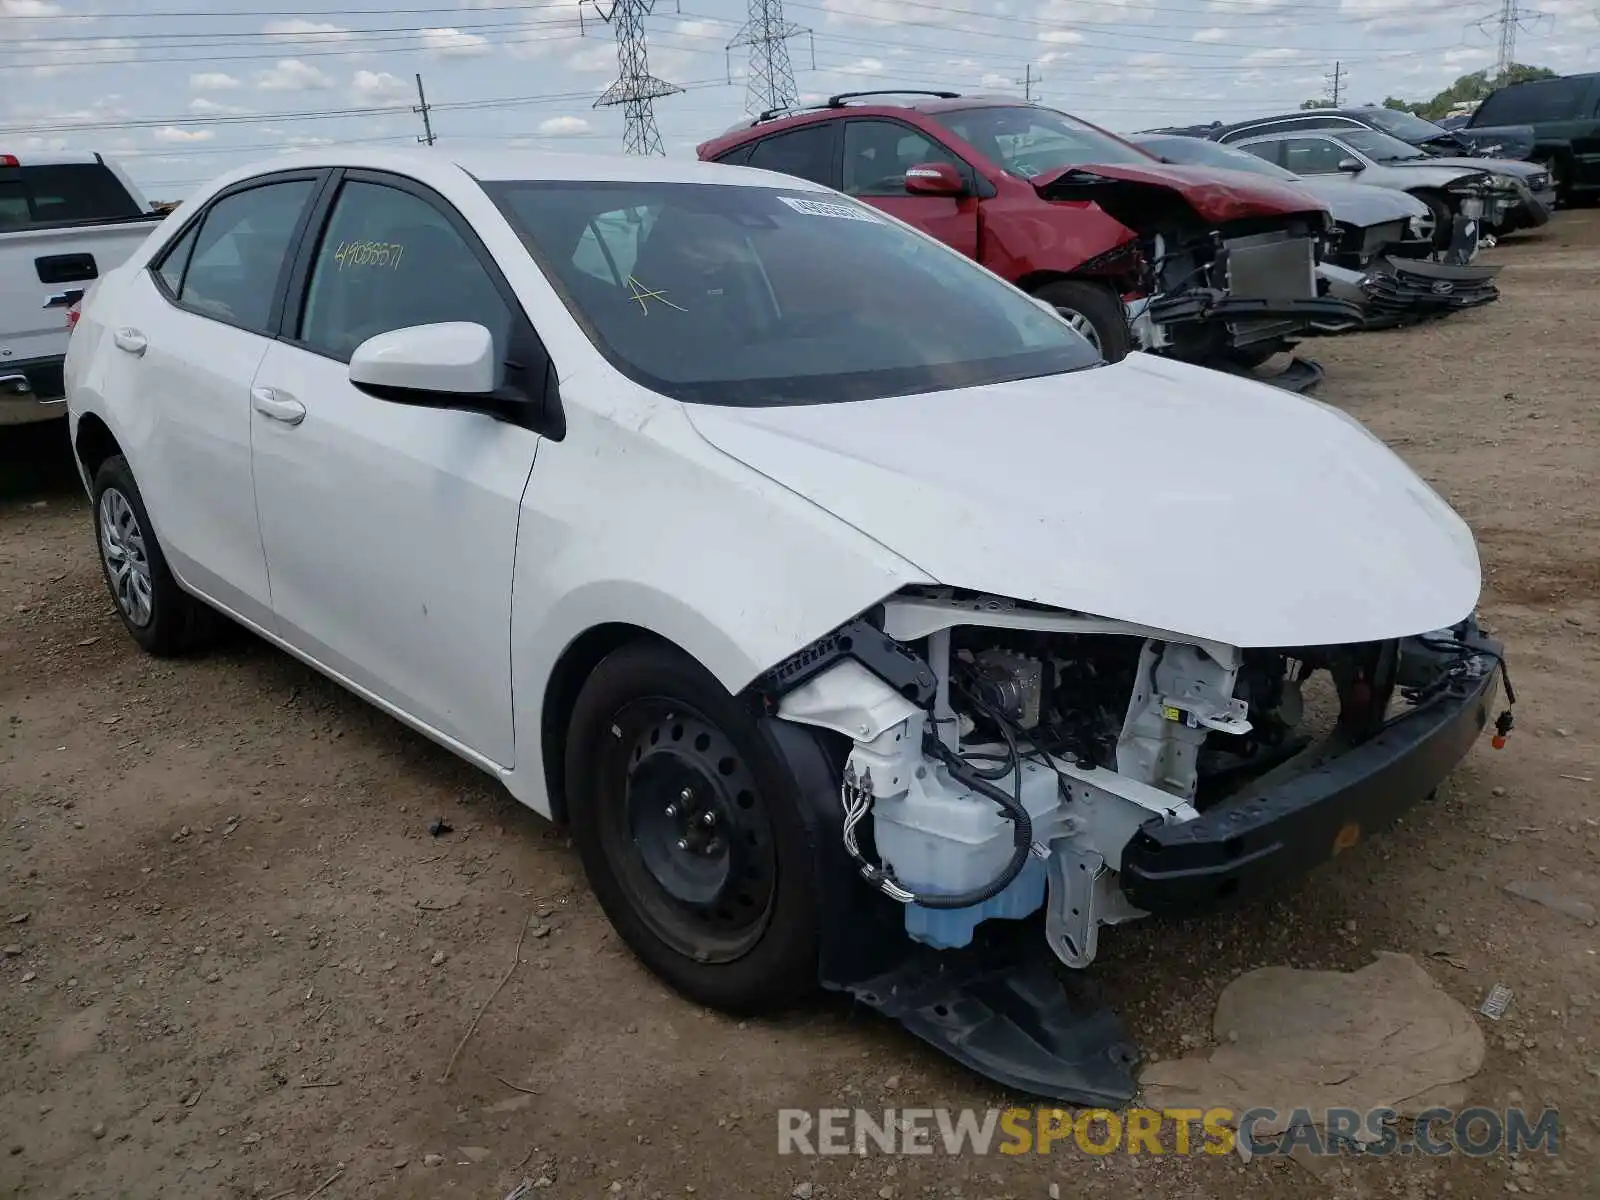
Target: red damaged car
x,y
1207,265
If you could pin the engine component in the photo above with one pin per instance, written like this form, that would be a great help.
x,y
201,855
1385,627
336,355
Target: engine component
x,y
1015,685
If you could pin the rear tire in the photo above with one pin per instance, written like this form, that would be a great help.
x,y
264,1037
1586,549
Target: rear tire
x,y
1095,311
158,614
724,907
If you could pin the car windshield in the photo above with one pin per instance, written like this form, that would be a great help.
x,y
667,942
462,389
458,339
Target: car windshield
x,y
1195,152
1029,141
1379,147
739,295
1406,126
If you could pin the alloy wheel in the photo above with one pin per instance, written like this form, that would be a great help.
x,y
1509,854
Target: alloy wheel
x,y
122,547
1083,325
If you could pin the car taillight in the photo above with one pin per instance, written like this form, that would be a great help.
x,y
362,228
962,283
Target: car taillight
x,y
9,160
73,313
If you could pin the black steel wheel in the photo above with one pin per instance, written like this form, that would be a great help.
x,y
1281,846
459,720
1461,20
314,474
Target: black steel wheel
x,y
688,831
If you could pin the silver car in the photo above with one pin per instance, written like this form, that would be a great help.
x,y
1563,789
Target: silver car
x,y
1514,195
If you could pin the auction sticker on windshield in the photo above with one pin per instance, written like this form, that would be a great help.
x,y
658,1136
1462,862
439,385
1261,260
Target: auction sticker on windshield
x,y
821,208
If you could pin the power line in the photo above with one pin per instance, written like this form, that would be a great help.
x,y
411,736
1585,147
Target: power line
x,y
1511,18
635,89
770,83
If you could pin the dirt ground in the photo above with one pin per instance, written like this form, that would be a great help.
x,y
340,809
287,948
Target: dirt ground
x,y
237,963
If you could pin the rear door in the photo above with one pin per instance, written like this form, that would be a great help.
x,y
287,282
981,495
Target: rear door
x,y
876,155
189,333
390,530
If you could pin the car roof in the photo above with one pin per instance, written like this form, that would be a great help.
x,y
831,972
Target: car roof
x,y
496,163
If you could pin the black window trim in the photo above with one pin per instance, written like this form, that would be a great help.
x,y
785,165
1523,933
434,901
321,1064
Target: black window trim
x,y
318,176
976,182
529,366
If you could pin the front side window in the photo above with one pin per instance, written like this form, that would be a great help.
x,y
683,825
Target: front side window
x,y
1379,147
1029,141
806,153
1313,156
240,252
389,260
877,155
762,296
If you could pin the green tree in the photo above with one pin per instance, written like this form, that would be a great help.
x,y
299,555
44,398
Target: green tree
x,y
1468,89
1324,102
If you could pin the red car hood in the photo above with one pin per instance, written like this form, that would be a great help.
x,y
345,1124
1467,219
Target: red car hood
x,y
1214,195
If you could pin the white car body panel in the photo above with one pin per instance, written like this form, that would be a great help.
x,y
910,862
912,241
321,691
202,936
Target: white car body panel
x,y
1151,491
441,563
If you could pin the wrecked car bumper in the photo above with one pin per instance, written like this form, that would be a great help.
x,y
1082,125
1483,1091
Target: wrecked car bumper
x,y
1256,840
1400,291
1254,318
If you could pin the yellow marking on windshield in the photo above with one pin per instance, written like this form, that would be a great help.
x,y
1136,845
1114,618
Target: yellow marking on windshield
x,y
643,295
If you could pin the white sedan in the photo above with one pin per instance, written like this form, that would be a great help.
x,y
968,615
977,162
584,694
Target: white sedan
x,y
836,594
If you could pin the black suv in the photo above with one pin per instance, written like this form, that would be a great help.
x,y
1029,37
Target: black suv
x,y
1564,115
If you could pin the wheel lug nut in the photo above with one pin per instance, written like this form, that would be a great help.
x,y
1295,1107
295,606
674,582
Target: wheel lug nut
x,y
686,796
708,818
683,843
672,810
714,846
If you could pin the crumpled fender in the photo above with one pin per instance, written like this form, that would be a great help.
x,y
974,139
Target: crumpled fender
x,y
1214,195
1067,239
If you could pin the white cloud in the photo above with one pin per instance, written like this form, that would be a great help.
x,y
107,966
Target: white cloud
x,y
172,134
1209,35
297,29
291,75
862,66
62,56
597,56
562,126
1061,37
996,81
28,8
379,87
453,43
213,81
1275,54
207,107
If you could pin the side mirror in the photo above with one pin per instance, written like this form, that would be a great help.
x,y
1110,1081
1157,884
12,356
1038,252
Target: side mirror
x,y
426,364
935,179
1350,166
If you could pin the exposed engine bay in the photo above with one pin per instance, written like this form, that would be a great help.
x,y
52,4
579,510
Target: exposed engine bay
x,y
1005,759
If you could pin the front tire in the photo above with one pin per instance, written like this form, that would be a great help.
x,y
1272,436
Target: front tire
x,y
157,613
1095,311
1442,216
689,831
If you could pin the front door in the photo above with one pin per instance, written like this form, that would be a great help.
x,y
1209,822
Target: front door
x,y
390,529
878,153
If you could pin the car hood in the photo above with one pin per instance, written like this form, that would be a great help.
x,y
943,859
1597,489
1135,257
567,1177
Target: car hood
x,y
1494,166
1215,195
1502,141
1361,204
1149,491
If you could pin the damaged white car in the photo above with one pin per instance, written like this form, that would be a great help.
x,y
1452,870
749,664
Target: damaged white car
x,y
865,627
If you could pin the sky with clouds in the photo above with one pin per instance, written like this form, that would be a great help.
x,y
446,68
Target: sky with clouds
x,y
180,90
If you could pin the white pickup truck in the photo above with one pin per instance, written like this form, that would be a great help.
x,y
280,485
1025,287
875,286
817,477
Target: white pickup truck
x,y
65,220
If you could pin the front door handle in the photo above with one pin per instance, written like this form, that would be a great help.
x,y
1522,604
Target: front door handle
x,y
130,340
270,402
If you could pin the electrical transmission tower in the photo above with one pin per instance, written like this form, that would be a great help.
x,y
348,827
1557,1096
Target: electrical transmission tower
x,y
770,84
1511,17
635,88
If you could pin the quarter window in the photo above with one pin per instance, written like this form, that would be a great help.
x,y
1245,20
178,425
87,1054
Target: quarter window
x,y
390,260
877,155
170,272
239,254
805,152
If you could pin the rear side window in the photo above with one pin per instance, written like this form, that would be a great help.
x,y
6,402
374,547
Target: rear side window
x,y
1530,103
807,153
239,253
390,260
61,194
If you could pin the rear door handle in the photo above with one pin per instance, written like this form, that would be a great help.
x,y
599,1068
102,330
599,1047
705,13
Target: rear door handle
x,y
270,402
130,340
